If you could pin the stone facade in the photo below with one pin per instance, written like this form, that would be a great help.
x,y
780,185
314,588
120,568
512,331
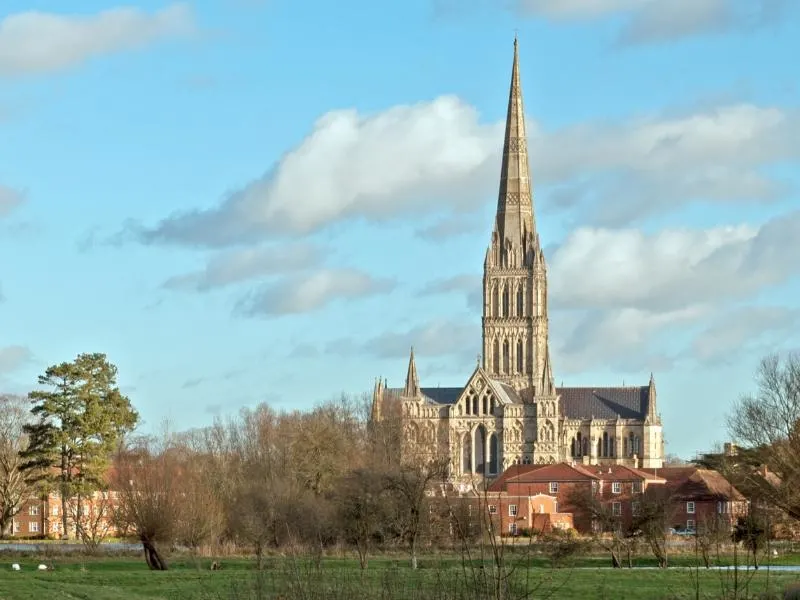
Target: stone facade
x,y
510,411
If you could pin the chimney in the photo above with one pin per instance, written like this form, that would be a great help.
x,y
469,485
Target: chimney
x,y
609,470
729,449
635,461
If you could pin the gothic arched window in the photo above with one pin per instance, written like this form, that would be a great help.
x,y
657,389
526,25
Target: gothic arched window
x,y
506,357
520,302
506,311
520,357
496,356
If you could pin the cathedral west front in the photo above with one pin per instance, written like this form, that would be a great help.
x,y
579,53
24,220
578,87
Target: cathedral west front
x,y
510,412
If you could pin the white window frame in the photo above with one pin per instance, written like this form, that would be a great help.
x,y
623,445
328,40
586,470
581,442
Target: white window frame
x,y
512,510
637,487
493,509
690,524
33,527
553,487
33,510
616,509
691,508
512,528
616,487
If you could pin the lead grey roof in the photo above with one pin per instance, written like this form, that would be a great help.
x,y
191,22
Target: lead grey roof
x,y
576,402
604,403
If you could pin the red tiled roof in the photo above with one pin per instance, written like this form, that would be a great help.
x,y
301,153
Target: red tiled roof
x,y
694,482
619,473
559,472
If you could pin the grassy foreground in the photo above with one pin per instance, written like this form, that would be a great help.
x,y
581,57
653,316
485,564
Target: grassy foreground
x,y
389,579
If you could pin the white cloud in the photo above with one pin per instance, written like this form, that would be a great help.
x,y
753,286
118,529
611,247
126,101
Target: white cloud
x,y
353,165
39,42
579,9
617,295
606,268
437,155
437,338
647,21
617,339
744,329
13,358
9,200
306,293
239,265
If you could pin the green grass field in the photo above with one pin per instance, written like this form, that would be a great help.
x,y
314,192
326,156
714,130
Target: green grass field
x,y
437,578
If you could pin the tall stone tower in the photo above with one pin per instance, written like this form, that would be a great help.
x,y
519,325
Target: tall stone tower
x,y
515,323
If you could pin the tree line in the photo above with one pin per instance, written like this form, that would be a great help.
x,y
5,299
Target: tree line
x,y
265,479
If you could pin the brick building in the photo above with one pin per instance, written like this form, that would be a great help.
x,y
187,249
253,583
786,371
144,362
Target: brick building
x,y
41,516
699,496
694,495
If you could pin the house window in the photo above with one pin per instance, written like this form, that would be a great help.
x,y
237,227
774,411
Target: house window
x,y
553,487
616,508
636,508
690,524
55,510
722,508
512,528
637,487
17,527
33,510
594,487
512,510
492,509
33,527
616,487
690,508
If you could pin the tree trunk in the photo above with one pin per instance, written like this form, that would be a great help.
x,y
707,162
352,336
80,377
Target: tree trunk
x,y
259,555
615,560
414,552
154,560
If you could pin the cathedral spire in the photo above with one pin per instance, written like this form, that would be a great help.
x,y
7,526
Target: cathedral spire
x,y
515,223
412,381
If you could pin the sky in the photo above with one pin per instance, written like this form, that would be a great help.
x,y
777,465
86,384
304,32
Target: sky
x,y
243,201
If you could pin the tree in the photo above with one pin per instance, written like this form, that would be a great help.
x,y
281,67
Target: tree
x,y
606,526
360,510
13,486
149,482
766,425
80,420
651,521
751,531
409,485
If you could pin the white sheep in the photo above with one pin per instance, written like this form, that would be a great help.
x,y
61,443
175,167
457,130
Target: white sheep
x,y
43,567
15,567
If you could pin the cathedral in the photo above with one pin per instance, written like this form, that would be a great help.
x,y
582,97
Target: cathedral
x,y
510,412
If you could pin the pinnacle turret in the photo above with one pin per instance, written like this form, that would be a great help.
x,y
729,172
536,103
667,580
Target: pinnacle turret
x,y
412,380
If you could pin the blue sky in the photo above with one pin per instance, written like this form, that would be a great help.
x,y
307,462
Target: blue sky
x,y
243,201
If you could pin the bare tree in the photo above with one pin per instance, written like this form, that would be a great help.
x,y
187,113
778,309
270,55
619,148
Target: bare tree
x,y
606,526
651,521
711,534
149,482
94,517
14,488
766,425
410,485
360,510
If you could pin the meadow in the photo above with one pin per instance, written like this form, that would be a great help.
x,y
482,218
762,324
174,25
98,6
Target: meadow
x,y
390,578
